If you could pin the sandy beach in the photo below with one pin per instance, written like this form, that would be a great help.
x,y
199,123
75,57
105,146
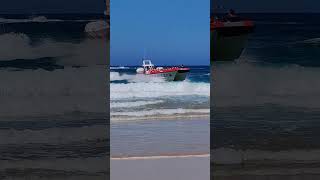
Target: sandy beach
x,y
193,167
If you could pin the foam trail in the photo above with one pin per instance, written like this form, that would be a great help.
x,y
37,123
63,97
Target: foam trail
x,y
116,76
162,157
133,104
154,90
118,67
161,112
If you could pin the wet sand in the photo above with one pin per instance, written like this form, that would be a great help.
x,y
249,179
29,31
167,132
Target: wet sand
x,y
194,167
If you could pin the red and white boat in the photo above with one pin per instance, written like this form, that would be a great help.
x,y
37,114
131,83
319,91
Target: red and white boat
x,y
169,73
228,37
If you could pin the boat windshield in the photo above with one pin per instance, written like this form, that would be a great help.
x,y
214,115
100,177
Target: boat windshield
x,y
147,65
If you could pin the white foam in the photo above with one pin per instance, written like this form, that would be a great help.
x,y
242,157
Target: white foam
x,y
119,67
161,112
116,76
158,89
162,157
133,104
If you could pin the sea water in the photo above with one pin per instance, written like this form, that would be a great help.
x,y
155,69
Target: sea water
x,y
53,120
153,117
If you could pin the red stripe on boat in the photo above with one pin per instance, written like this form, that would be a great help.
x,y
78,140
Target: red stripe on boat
x,y
166,70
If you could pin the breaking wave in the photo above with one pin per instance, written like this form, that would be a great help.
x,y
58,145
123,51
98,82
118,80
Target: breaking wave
x,y
133,104
161,112
116,76
141,96
161,89
119,67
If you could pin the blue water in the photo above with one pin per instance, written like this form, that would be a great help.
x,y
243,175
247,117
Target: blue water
x,y
268,100
285,39
151,117
140,96
52,118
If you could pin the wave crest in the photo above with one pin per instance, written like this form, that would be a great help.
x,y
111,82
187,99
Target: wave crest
x,y
158,89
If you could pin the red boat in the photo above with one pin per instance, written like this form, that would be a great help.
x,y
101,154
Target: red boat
x,y
170,73
228,37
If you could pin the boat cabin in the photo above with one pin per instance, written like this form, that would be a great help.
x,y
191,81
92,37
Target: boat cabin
x,y
147,65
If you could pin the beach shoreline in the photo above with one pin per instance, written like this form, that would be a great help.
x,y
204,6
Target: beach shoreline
x,y
163,156
164,137
186,167
161,117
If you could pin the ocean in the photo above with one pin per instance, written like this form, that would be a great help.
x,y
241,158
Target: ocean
x,y
152,117
53,110
266,105
53,124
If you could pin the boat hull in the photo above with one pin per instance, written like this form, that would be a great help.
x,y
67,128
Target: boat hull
x,y
168,76
181,75
226,48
